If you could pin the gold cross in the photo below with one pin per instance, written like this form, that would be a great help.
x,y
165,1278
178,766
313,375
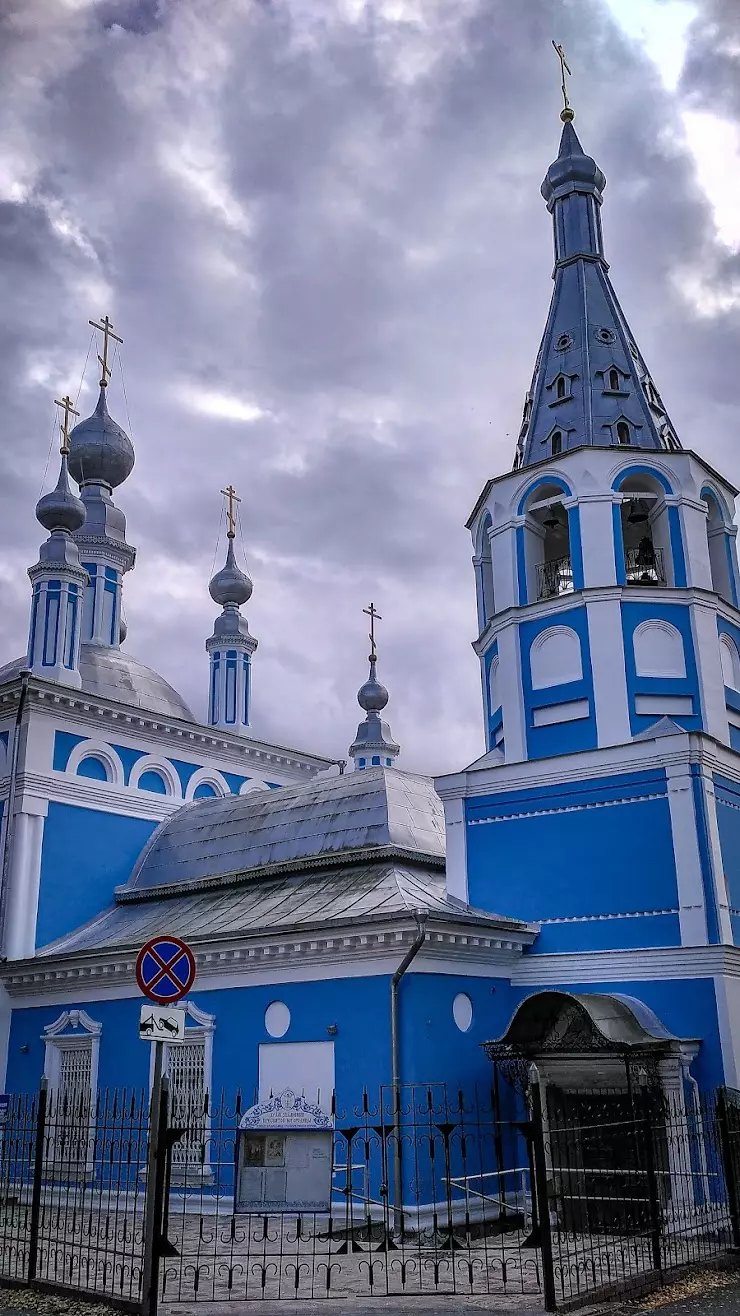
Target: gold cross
x,y
106,328
374,616
230,493
68,409
566,114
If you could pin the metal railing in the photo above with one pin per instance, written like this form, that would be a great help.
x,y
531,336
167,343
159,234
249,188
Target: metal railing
x,y
554,577
644,565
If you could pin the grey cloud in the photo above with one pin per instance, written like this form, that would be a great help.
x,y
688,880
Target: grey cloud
x,y
340,222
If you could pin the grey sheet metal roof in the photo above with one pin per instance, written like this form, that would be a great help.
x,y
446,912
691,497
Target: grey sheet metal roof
x,y
212,840
341,895
112,674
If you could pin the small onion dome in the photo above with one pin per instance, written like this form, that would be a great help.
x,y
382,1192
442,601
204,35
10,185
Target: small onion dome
x,y
230,584
572,166
372,696
99,450
61,509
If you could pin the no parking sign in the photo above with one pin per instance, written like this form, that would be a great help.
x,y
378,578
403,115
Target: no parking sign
x,y
165,969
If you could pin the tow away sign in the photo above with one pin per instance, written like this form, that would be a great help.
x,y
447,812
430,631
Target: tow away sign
x,y
159,1025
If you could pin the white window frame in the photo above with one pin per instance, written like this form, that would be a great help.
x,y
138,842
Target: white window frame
x,y
57,1038
202,1029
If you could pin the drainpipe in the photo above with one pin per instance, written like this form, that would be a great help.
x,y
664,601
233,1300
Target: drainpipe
x,y
410,955
10,807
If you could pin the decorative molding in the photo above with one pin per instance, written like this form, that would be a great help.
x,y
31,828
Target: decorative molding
x,y
113,968
569,808
617,966
207,777
162,766
599,918
98,749
72,1019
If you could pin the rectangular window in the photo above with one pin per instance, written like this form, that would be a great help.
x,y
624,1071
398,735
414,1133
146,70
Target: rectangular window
x,y
230,688
51,627
245,713
71,1115
88,615
108,618
34,620
215,674
186,1066
70,633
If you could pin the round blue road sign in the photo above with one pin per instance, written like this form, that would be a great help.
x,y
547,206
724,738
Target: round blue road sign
x,y
165,969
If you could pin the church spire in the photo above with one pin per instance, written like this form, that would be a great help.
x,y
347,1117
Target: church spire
x,y
231,646
58,579
590,384
374,744
101,457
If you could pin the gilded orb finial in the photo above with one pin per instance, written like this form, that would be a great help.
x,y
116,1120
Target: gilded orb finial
x,y
566,114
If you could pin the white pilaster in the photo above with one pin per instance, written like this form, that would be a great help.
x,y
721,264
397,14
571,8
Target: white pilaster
x,y
24,876
709,669
503,560
512,695
715,858
457,849
696,547
692,912
597,538
606,643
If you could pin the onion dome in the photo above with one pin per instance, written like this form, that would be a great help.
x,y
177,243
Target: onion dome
x,y
100,450
372,696
230,584
61,509
572,167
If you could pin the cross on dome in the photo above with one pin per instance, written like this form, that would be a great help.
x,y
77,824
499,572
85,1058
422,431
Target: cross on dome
x,y
106,328
66,404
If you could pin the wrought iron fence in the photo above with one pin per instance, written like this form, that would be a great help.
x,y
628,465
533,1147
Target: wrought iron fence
x,y
643,565
554,577
427,1192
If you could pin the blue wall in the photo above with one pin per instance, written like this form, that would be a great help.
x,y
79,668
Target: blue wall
x,y
727,794
85,854
562,737
575,852
676,615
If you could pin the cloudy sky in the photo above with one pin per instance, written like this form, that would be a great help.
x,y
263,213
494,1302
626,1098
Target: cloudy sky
x,y
317,224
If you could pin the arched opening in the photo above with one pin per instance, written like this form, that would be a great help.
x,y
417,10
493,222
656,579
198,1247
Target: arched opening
x,y
719,545
557,443
485,575
204,791
92,767
645,532
561,387
730,659
152,781
623,432
614,380
549,567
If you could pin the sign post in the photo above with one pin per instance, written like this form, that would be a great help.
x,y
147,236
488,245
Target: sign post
x,y
165,972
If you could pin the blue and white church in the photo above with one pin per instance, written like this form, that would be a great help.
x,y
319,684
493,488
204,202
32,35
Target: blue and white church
x,y
571,898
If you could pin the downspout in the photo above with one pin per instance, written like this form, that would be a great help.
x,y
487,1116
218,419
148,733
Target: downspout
x,y
10,809
410,955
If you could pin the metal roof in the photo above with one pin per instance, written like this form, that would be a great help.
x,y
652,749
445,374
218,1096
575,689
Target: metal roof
x,y
212,840
341,895
112,674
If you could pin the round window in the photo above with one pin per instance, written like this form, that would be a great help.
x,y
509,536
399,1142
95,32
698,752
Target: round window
x,y
277,1019
462,1011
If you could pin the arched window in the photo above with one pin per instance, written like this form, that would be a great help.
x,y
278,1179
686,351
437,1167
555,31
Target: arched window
x,y
730,662
659,649
623,432
152,781
494,692
614,380
646,531
557,443
204,791
548,542
92,767
555,658
719,545
561,386
486,606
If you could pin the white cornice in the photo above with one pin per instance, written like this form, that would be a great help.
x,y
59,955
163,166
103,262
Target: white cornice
x,y
614,966
91,711
494,950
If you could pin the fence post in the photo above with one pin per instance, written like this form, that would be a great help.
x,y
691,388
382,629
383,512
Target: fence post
x,y
652,1183
38,1170
156,1153
728,1164
540,1197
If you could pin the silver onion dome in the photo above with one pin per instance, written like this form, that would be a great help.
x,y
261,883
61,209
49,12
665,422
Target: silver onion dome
x,y
372,696
100,450
230,584
61,509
